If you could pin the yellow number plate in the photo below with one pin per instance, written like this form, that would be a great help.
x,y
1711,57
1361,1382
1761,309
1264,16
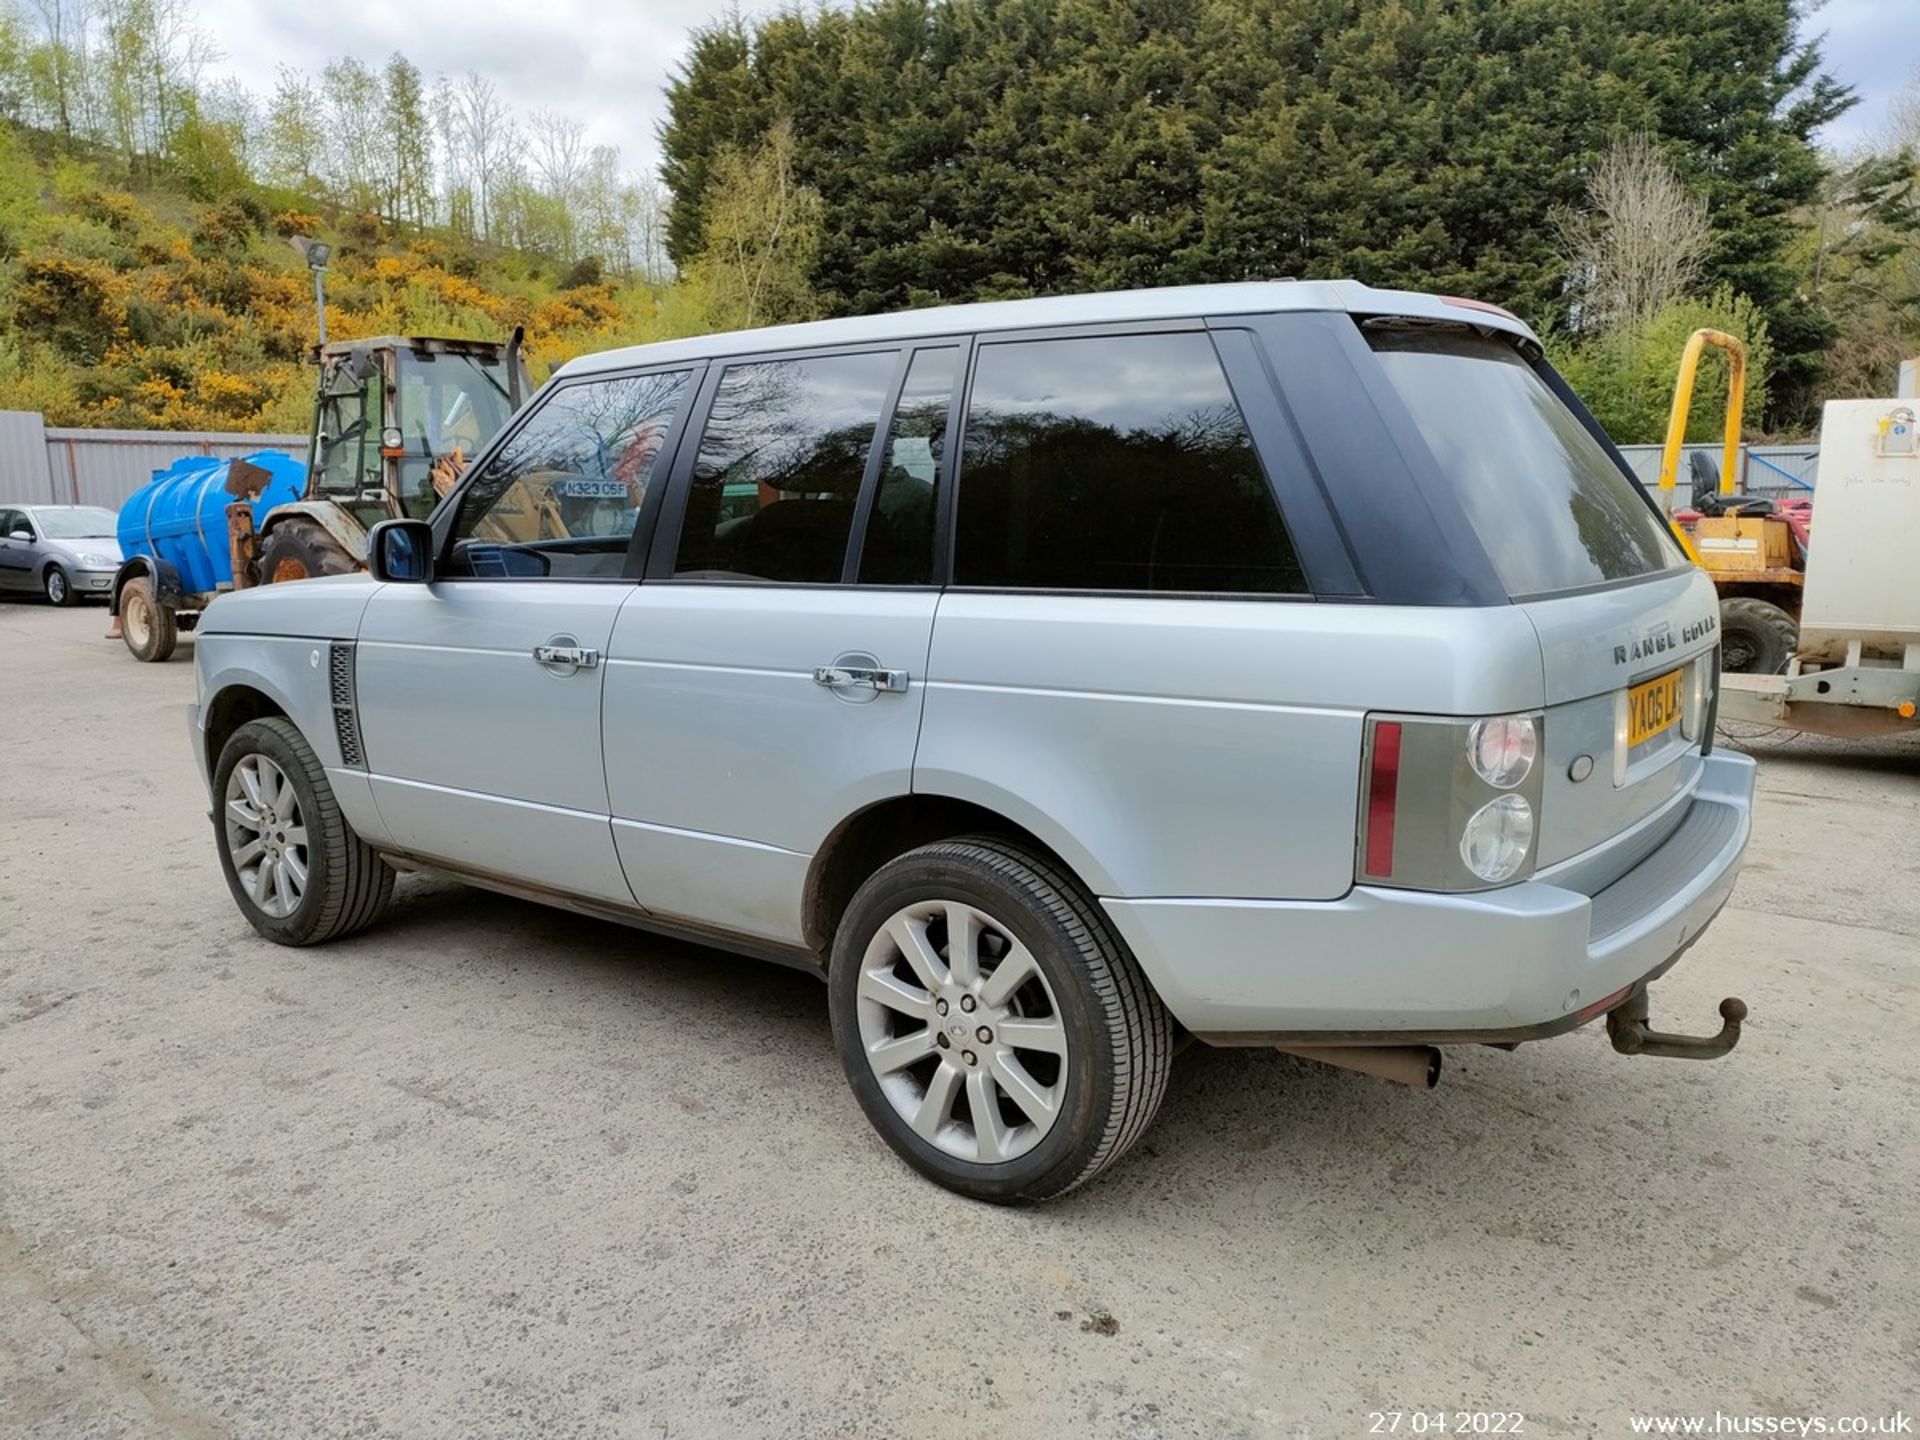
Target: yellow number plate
x,y
1652,707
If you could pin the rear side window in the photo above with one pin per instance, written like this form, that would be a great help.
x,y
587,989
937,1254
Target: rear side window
x,y
1114,463
780,466
1553,510
899,543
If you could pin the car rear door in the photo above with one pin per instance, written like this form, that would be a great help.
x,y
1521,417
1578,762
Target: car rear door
x,y
766,681
480,694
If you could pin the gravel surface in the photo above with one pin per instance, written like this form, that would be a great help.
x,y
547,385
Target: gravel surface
x,y
495,1170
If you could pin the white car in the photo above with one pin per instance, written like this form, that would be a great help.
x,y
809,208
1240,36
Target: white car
x,y
1289,664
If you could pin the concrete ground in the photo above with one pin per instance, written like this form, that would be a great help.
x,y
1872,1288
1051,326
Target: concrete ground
x,y
493,1170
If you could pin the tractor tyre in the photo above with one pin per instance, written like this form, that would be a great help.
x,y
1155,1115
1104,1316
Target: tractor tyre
x,y
1757,637
296,551
149,628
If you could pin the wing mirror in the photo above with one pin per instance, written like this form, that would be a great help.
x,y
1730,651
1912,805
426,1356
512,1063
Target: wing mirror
x,y
401,552
20,535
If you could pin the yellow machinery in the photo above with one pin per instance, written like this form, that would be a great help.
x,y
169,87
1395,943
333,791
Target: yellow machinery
x,y
1751,553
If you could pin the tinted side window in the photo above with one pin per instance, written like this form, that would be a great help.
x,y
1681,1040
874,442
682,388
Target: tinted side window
x,y
562,497
1114,463
898,549
1553,510
780,467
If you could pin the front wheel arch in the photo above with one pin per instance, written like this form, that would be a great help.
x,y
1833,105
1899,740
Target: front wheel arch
x,y
228,710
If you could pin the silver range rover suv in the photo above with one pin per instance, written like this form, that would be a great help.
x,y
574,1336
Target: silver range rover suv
x,y
1285,664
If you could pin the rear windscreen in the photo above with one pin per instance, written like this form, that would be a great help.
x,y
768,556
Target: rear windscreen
x,y
1553,510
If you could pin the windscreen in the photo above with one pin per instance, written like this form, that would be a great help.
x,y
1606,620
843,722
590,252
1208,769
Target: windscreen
x,y
1553,510
79,522
448,405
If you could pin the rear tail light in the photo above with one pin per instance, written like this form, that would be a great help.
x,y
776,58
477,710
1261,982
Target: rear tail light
x,y
1450,804
1383,794
1698,702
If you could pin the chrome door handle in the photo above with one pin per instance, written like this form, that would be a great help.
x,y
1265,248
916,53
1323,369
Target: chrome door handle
x,y
859,677
577,656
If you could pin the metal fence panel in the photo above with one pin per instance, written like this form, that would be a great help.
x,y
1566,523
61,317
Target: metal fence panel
x,y
1771,470
23,458
104,467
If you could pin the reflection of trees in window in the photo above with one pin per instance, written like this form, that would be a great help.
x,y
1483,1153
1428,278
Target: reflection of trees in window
x,y
791,430
1617,537
580,465
1552,509
1171,500
898,548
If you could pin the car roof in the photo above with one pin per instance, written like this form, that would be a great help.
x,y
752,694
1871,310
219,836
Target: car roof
x,y
1109,307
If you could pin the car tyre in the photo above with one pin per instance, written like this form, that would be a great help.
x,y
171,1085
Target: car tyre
x,y
297,870
150,629
919,1025
58,586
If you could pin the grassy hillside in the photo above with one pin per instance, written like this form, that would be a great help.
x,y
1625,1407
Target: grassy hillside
x,y
140,307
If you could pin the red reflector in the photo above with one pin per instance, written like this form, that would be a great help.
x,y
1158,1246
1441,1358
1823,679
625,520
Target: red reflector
x,y
1479,305
1600,1007
1383,795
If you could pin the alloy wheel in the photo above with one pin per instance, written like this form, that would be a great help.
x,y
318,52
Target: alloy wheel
x,y
266,835
961,1029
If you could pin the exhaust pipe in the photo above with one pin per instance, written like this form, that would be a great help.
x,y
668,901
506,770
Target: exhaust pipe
x,y
1417,1066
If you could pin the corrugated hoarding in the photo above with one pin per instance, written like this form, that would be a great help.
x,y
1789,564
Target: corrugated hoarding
x,y
104,467
1765,469
23,458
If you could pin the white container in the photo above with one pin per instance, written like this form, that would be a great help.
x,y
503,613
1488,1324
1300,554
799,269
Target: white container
x,y
1863,563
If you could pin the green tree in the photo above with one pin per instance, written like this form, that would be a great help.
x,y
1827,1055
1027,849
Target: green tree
x,y
206,155
1626,375
972,148
410,190
359,147
294,145
761,234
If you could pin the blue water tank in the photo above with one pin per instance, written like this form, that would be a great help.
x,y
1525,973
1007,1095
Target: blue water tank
x,y
180,516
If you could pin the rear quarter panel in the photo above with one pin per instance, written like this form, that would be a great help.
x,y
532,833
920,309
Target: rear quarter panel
x,y
1195,747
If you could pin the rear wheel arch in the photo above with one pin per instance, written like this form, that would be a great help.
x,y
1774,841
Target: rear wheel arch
x,y
869,838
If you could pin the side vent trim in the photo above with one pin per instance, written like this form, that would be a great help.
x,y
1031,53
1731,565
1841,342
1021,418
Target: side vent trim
x,y
346,720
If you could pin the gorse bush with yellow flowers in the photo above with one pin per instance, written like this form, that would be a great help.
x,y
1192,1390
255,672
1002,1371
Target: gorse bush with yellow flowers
x,y
157,310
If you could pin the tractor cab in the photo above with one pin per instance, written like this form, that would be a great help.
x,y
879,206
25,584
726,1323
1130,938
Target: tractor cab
x,y
391,409
396,420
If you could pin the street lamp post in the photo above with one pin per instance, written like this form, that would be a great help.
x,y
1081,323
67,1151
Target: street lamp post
x,y
316,254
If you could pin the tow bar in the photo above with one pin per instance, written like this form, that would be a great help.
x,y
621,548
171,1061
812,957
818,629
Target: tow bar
x,y
1631,1035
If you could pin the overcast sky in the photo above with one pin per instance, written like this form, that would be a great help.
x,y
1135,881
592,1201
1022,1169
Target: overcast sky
x,y
607,61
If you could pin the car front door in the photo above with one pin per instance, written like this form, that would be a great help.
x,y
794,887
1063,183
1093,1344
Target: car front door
x,y
16,556
765,682
480,693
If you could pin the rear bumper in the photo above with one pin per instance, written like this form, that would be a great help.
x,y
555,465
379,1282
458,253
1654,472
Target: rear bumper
x,y
1401,965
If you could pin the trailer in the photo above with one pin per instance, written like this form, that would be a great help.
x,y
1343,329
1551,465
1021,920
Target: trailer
x,y
1855,672
176,532
396,419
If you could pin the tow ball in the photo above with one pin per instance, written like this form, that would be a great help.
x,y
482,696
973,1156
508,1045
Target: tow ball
x,y
1631,1035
